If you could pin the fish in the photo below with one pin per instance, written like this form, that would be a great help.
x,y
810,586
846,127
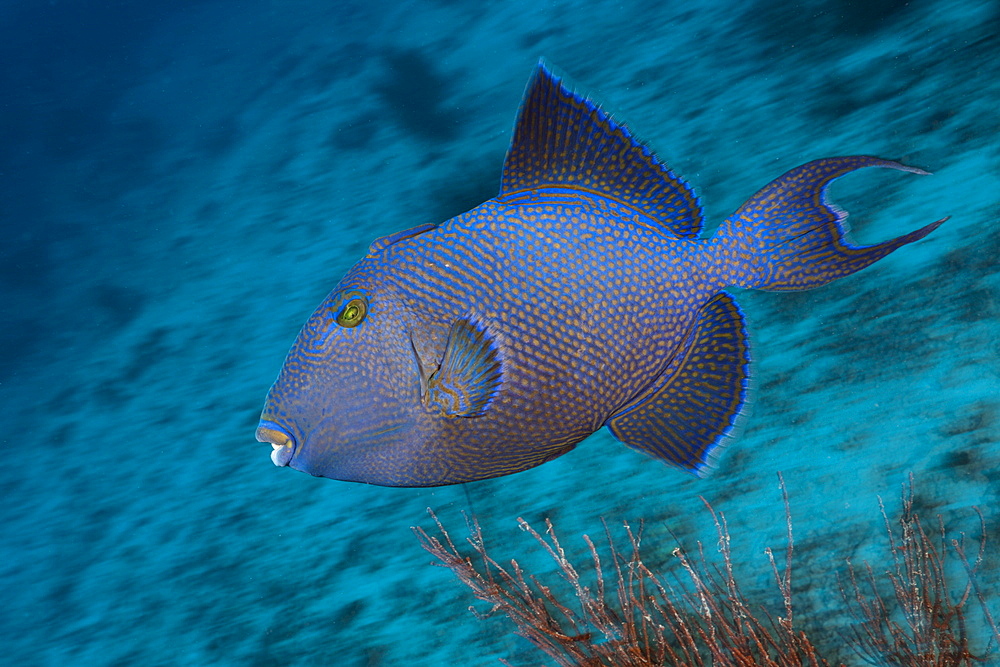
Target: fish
x,y
581,297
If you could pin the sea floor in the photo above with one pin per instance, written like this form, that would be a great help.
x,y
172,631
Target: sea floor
x,y
182,186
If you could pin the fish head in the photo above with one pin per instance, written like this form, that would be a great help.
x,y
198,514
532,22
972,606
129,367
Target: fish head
x,y
346,402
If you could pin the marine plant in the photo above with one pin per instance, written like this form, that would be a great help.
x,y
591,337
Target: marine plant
x,y
918,623
625,614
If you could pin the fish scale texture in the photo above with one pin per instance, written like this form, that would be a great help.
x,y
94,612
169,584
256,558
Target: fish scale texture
x,y
547,282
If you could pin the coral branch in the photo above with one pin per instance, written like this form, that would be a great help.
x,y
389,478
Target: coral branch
x,y
633,617
645,621
926,626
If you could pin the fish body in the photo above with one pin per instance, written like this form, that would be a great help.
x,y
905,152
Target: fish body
x,y
582,296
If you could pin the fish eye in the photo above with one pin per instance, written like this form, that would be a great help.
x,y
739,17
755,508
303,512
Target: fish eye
x,y
353,313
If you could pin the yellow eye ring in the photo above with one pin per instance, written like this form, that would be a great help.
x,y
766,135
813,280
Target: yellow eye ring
x,y
353,313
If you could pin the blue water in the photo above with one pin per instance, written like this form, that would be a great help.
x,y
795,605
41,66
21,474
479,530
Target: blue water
x,y
181,183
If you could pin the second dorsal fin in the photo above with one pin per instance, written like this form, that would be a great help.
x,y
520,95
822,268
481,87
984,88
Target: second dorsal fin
x,y
562,138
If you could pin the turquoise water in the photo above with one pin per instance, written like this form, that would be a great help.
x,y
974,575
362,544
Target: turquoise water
x,y
181,184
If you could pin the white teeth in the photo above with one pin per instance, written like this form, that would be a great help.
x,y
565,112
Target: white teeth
x,y
281,454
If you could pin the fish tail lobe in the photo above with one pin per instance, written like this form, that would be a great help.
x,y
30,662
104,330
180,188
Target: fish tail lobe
x,y
789,237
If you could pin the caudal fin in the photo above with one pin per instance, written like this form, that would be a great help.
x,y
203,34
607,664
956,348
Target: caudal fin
x,y
789,237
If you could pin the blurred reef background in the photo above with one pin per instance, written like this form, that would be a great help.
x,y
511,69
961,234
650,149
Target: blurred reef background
x,y
182,183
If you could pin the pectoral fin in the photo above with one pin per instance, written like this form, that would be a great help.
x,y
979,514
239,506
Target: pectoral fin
x,y
470,374
697,403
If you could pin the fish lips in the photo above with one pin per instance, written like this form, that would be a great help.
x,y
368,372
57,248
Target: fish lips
x,y
350,448
282,442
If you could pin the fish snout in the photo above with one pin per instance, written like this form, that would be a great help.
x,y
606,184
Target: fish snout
x,y
283,443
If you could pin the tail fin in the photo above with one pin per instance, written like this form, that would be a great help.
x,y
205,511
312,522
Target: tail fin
x,y
789,237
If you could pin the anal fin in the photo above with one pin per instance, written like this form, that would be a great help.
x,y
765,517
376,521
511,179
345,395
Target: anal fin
x,y
698,401
470,373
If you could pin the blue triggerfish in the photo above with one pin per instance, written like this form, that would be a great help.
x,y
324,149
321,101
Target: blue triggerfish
x,y
581,296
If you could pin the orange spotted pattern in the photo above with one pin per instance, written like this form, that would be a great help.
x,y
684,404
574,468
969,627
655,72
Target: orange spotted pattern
x,y
580,297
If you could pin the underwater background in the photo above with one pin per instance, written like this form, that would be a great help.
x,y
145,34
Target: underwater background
x,y
182,183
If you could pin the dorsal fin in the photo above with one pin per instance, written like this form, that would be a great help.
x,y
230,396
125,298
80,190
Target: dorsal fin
x,y
383,242
562,138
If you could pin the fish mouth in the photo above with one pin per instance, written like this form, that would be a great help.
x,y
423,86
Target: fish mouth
x,y
283,444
